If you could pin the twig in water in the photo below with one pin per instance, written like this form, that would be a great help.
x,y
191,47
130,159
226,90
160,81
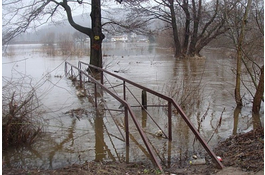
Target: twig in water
x,y
218,126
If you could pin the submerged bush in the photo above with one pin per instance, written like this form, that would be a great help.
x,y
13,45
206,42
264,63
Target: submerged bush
x,y
21,116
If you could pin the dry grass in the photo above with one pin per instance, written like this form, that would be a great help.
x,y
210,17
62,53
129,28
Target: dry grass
x,y
21,117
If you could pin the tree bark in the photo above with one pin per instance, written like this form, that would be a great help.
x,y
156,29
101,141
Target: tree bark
x,y
185,7
196,22
259,93
238,98
236,116
97,35
175,29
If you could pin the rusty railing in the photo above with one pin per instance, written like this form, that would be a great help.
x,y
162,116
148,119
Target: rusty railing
x,y
170,103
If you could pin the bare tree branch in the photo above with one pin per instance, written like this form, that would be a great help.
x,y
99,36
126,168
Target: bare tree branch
x,y
17,17
78,27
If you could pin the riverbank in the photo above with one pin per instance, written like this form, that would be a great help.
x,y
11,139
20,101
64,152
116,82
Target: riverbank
x,y
242,154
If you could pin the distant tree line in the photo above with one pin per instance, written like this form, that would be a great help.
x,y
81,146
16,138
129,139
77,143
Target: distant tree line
x,y
65,44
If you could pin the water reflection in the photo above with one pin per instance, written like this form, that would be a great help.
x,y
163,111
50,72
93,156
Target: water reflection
x,y
99,136
95,136
236,118
59,146
144,118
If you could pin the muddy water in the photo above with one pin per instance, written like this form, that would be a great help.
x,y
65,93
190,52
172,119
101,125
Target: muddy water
x,y
203,87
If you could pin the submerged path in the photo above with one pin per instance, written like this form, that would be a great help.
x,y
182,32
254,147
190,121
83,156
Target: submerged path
x,y
80,74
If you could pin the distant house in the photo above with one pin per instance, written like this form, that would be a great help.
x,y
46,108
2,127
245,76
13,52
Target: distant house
x,y
121,38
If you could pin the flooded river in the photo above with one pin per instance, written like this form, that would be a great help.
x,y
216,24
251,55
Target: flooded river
x,y
75,132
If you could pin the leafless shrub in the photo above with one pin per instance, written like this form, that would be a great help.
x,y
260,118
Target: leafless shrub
x,y
218,125
48,42
66,44
164,39
80,41
21,114
186,92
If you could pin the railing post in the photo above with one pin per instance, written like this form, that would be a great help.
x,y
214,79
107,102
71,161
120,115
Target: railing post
x,y
79,65
126,117
124,91
169,113
126,121
65,69
80,79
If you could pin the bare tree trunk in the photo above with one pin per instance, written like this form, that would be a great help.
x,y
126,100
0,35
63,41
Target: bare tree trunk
x,y
185,7
196,18
97,35
175,29
259,93
241,37
236,116
238,77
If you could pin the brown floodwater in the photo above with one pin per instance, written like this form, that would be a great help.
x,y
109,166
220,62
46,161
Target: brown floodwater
x,y
202,86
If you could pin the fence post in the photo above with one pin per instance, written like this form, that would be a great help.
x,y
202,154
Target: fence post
x,y
124,91
79,65
126,126
80,79
65,69
144,99
126,120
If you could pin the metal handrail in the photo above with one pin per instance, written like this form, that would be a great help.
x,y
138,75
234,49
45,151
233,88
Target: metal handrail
x,y
127,109
171,102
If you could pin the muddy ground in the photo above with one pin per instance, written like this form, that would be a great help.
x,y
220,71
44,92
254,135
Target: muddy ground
x,y
242,154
